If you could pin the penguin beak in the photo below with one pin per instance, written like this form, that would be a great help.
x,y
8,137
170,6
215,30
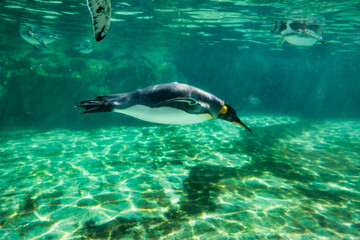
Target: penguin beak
x,y
229,114
240,123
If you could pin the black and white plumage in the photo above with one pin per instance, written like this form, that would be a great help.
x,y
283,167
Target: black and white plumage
x,y
101,15
299,33
38,35
168,103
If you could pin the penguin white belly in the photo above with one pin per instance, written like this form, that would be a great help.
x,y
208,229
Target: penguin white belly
x,y
34,41
164,115
31,40
297,40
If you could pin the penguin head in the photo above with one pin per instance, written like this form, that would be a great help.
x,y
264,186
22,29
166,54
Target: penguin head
x,y
228,113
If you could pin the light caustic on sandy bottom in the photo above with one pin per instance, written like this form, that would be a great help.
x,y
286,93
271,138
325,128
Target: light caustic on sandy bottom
x,y
291,179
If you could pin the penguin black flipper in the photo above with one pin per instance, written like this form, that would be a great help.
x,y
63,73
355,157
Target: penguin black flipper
x,y
101,15
189,101
189,105
41,42
319,38
323,42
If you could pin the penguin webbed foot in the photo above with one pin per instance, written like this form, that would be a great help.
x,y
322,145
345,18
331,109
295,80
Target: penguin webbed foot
x,y
91,110
97,105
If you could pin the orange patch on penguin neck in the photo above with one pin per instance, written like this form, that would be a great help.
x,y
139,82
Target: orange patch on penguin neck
x,y
223,110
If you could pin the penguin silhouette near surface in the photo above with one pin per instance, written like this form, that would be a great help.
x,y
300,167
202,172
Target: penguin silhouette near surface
x,y
299,33
168,103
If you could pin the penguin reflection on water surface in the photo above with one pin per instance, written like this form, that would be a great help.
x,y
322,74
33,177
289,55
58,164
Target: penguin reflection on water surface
x,y
169,103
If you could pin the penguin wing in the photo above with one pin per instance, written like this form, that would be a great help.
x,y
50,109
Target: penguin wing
x,y
318,37
189,105
37,38
189,101
42,43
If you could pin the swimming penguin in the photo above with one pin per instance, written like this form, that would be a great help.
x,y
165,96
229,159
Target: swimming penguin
x,y
37,35
84,47
299,33
168,103
100,11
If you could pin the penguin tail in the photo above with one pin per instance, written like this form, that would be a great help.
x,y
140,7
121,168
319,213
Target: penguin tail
x,y
99,104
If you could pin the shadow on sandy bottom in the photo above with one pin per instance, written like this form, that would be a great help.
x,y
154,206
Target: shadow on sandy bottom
x,y
298,179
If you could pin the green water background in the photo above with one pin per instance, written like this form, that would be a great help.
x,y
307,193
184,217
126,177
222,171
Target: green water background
x,y
73,176
224,47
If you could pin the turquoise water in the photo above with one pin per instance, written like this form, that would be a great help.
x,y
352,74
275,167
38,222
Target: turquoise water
x,y
291,179
64,175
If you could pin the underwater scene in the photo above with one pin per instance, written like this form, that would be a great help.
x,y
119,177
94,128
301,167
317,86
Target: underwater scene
x,y
168,119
